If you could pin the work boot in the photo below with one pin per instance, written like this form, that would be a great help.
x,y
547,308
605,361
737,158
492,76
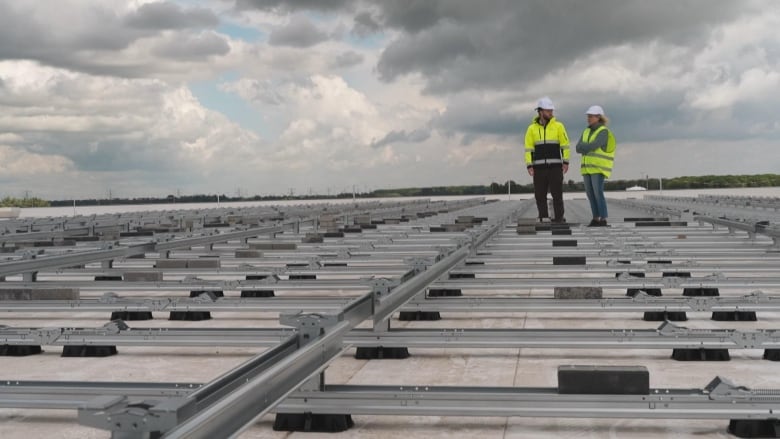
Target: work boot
x,y
602,222
593,223
559,220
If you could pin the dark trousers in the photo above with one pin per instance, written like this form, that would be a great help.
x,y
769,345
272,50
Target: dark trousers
x,y
549,180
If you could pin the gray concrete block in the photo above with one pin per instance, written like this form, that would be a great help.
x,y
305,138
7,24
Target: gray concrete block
x,y
284,246
142,276
526,230
261,245
312,238
248,253
171,263
578,292
39,294
203,263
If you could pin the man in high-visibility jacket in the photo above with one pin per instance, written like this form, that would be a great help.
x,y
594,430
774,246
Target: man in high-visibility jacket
x,y
547,159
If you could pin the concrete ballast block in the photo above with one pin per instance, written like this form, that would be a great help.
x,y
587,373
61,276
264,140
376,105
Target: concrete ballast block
x,y
578,292
39,294
142,276
248,253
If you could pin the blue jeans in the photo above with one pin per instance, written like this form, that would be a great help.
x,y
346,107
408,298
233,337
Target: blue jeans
x,y
594,189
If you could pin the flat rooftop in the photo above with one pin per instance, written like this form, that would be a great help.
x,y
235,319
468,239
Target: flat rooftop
x,y
703,249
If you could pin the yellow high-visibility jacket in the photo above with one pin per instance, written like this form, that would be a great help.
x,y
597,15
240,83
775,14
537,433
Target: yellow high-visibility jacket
x,y
546,145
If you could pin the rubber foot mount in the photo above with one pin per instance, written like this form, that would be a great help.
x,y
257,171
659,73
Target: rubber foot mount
x,y
444,292
10,350
426,316
131,315
734,316
701,355
309,422
660,316
257,293
381,353
190,316
88,351
754,427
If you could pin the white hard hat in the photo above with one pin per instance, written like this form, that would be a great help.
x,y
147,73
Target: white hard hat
x,y
595,109
545,103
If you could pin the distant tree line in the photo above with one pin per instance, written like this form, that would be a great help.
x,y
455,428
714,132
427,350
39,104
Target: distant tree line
x,y
697,182
23,202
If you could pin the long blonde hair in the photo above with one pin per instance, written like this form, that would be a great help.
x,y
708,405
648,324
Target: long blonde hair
x,y
603,119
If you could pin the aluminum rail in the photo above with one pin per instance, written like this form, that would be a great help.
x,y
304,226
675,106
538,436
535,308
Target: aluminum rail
x,y
400,295
611,282
756,302
473,267
76,258
666,336
72,395
238,408
718,400
199,284
325,270
751,228
253,398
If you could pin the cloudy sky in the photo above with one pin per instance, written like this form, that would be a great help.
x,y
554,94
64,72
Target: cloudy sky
x,y
149,98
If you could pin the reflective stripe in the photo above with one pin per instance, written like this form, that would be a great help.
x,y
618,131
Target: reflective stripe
x,y
547,142
544,161
601,156
586,166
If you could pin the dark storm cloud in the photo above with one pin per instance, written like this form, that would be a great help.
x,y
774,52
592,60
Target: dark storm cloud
x,y
90,152
165,15
25,36
193,47
403,136
295,5
71,45
365,24
459,45
347,59
300,32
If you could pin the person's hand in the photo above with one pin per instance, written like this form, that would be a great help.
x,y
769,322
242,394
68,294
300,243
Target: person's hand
x,y
565,168
531,172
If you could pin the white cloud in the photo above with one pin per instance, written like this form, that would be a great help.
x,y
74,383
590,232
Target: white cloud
x,y
92,98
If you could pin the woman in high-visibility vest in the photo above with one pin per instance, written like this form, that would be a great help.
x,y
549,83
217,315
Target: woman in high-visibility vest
x,y
597,146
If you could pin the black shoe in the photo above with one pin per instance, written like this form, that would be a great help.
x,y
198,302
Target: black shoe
x,y
559,220
603,223
593,223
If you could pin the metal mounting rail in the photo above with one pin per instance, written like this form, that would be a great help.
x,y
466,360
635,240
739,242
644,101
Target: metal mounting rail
x,y
752,228
199,284
718,400
756,302
231,403
623,282
77,258
666,336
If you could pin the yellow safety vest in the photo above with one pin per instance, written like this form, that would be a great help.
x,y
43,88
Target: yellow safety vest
x,y
598,161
